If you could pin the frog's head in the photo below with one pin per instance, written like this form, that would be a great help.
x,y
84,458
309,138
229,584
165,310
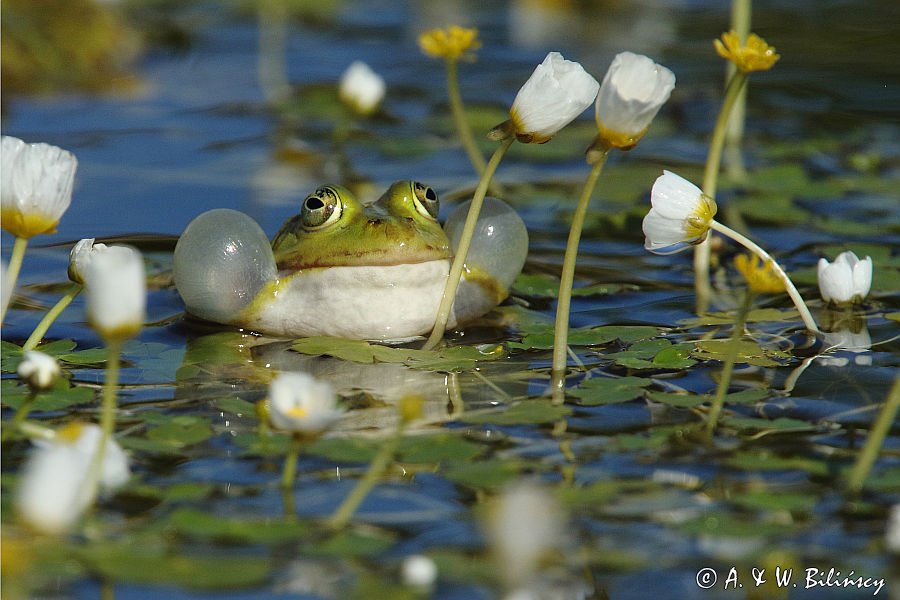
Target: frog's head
x,y
334,229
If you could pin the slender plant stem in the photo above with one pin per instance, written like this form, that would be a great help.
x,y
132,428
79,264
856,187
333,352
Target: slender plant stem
x,y
702,287
765,256
564,301
459,117
12,428
740,22
38,334
12,272
290,463
377,467
875,439
107,416
465,240
728,367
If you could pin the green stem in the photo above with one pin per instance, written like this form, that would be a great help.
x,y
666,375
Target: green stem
x,y
728,366
702,287
788,284
564,302
107,415
10,430
465,240
740,22
290,463
12,273
38,334
459,118
875,439
377,467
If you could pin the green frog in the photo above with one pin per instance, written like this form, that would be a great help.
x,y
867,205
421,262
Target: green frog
x,y
347,269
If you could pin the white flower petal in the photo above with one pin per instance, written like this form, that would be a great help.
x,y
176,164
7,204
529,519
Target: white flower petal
x,y
116,290
846,279
301,403
419,571
674,196
556,93
632,92
35,185
361,87
38,369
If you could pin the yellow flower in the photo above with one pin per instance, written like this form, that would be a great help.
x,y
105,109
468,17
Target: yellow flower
x,y
761,278
755,55
452,43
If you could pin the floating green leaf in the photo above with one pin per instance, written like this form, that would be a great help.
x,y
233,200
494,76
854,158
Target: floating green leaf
x,y
541,336
526,412
59,397
758,315
261,530
608,390
180,431
747,352
490,474
361,543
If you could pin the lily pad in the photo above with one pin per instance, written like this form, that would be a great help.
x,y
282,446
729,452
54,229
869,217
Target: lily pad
x,y
607,390
203,524
59,397
526,412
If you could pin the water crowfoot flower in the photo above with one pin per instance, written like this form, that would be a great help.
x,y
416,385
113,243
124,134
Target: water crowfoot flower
x,y
116,290
761,276
681,215
632,92
557,91
36,185
40,371
300,403
452,44
419,571
847,280
35,190
753,55
54,489
361,88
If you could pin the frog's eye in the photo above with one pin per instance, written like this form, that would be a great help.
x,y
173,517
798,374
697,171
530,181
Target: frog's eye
x,y
426,201
320,209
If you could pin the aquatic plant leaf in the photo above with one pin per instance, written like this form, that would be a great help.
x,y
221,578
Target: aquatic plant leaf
x,y
757,315
186,491
180,431
60,396
721,524
541,336
10,356
344,449
607,390
443,447
490,474
141,563
253,444
350,544
894,316
676,356
203,524
89,357
526,412
462,566
766,461
445,359
886,481
597,494
777,500
747,352
236,406
546,286
781,424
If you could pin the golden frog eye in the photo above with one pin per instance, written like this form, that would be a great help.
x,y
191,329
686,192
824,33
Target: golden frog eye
x,y
321,209
426,201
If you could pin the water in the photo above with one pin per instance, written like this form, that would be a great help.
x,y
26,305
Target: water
x,y
196,133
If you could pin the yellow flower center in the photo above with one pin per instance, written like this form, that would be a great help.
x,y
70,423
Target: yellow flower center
x,y
27,225
451,44
621,141
69,433
697,224
297,412
754,55
761,278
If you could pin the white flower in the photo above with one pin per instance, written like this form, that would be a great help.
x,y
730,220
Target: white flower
x,y
53,488
301,403
846,280
361,88
116,291
558,91
39,370
84,252
525,524
892,531
419,571
631,94
35,186
679,215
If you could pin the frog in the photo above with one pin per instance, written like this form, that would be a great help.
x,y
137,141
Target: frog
x,y
344,268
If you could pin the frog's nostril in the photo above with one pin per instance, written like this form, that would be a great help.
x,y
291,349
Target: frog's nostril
x,y
375,221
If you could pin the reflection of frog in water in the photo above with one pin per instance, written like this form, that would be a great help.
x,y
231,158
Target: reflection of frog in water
x,y
345,269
